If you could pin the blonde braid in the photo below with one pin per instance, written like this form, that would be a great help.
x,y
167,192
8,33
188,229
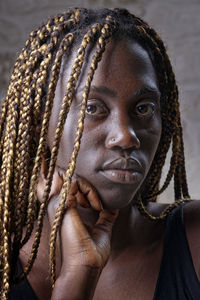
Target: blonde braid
x,y
22,158
177,142
22,176
4,109
103,39
164,213
24,131
13,94
16,98
180,181
173,165
10,134
76,69
67,41
159,162
41,148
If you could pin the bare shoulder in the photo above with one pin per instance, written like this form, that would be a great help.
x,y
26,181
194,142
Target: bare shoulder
x,y
192,227
156,208
192,219
192,214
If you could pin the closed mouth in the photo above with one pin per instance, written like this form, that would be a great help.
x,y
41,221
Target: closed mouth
x,y
124,171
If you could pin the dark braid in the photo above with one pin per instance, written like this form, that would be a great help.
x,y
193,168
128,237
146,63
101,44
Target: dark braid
x,y
23,129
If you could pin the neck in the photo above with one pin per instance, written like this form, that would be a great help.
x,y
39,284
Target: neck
x,y
125,228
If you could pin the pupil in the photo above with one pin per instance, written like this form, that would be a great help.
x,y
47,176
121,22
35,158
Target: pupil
x,y
91,108
143,109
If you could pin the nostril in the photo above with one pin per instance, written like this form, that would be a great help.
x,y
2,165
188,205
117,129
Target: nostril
x,y
137,142
123,140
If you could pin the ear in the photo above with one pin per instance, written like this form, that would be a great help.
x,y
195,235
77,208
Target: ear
x,y
57,181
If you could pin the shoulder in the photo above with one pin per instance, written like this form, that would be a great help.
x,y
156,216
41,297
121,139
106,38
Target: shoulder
x,y
192,213
192,220
191,217
192,228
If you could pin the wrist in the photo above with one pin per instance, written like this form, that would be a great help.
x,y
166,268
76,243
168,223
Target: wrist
x,y
77,283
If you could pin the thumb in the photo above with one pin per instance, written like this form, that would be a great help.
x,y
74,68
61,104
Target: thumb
x,y
103,228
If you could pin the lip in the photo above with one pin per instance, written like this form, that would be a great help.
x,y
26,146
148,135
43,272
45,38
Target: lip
x,y
123,170
122,176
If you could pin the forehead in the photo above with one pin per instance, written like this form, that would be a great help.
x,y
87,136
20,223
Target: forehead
x,y
125,53
124,61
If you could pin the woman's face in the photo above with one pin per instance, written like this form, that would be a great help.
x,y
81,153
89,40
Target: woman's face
x,y
122,125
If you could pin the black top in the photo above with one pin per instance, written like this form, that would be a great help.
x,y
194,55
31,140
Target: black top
x,y
177,278
22,290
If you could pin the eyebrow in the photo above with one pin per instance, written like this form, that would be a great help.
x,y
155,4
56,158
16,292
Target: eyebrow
x,y
147,90
101,90
108,92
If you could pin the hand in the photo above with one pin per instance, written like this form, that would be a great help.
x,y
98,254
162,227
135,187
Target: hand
x,y
78,246
82,252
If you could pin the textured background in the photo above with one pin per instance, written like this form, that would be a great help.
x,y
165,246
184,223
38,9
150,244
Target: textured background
x,y
177,21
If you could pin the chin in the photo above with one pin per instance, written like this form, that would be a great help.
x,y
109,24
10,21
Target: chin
x,y
115,200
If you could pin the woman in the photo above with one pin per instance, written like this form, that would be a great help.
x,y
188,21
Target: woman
x,y
101,79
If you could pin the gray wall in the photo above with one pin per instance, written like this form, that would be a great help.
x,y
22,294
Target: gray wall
x,y
177,21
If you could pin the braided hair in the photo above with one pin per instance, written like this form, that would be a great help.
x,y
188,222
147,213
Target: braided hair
x,y
23,132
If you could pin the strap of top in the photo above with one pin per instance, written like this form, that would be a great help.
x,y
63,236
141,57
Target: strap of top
x,y
177,278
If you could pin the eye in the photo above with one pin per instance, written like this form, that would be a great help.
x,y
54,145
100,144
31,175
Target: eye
x,y
91,109
145,109
96,109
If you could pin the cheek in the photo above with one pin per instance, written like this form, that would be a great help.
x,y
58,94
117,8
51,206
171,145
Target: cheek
x,y
150,139
92,150
91,143
67,141
93,134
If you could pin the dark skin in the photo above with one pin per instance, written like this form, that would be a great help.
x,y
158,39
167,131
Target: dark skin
x,y
115,131
106,249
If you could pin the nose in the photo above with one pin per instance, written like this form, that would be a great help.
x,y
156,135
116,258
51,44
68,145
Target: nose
x,y
122,136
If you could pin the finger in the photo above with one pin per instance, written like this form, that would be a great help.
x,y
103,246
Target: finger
x,y
40,189
71,202
56,194
42,180
76,197
71,197
73,230
81,200
56,185
73,188
90,193
44,168
106,221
